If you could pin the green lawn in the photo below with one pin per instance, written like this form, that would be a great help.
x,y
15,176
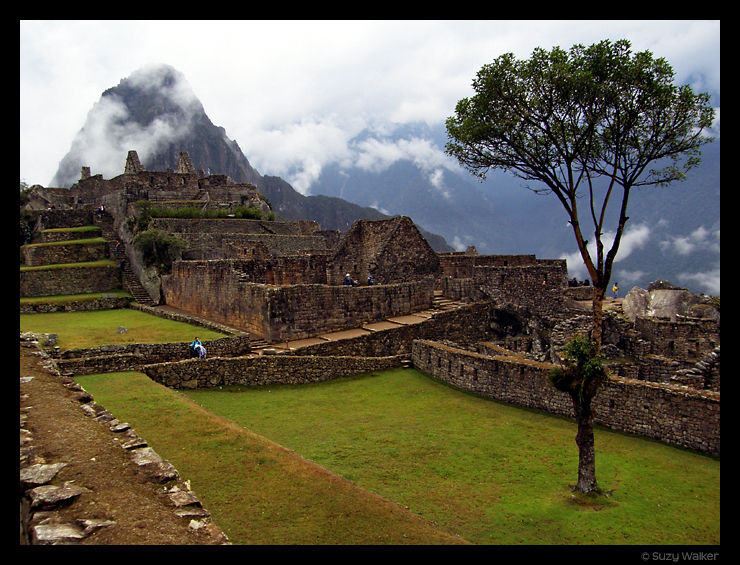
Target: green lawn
x,y
91,329
489,472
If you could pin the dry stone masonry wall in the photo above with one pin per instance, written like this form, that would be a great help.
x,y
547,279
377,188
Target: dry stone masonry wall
x,y
678,415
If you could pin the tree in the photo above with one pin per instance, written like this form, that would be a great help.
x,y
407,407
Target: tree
x,y
580,375
589,122
158,249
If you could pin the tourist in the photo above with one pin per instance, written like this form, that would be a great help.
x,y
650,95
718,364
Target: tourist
x,y
349,281
615,290
370,280
201,351
193,351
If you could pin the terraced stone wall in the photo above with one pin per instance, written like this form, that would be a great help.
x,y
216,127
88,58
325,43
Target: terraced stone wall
x,y
673,414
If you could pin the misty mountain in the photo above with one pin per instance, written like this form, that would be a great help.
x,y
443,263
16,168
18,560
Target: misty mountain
x,y
673,232
155,112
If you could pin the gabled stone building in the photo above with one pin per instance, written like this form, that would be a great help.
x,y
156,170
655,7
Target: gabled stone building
x,y
392,251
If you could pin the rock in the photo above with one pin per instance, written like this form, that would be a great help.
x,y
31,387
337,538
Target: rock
x,y
635,303
182,498
153,466
192,512
663,300
50,495
91,525
661,284
670,303
37,475
57,534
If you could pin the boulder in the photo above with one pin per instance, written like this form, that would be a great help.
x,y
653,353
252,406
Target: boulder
x,y
661,300
670,303
635,303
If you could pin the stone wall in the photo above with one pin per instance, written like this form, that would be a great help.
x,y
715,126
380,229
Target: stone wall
x,y
682,340
132,357
80,251
672,414
234,226
54,235
392,251
69,280
460,265
263,370
215,290
105,302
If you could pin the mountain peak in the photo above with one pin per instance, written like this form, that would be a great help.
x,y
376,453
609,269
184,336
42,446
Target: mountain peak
x,y
155,111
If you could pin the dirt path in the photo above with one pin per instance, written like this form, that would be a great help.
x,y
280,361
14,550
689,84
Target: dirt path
x,y
55,429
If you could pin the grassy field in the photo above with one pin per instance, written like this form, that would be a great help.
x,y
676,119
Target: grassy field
x,y
91,329
489,472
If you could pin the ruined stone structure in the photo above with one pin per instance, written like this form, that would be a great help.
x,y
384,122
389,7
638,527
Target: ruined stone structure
x,y
279,281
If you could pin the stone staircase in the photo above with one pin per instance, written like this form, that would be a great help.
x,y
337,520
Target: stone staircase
x,y
117,252
442,304
256,343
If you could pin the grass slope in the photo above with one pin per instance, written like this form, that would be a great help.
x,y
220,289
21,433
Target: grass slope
x,y
489,472
257,491
90,329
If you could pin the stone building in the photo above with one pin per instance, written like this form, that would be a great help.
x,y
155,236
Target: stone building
x,y
391,251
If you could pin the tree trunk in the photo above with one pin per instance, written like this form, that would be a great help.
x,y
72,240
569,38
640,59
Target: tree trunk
x,y
586,449
598,313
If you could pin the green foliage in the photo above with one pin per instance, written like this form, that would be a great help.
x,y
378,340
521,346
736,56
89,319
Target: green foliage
x,y
149,211
159,249
245,213
582,370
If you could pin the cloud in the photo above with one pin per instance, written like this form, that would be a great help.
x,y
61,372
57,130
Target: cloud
x,y
701,239
377,155
633,238
298,152
109,132
260,76
461,243
708,281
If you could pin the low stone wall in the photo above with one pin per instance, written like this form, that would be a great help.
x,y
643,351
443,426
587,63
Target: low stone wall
x,y
184,318
55,235
580,292
235,226
263,370
81,251
672,414
132,357
69,280
111,302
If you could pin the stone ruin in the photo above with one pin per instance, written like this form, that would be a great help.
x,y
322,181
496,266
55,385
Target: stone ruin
x,y
279,281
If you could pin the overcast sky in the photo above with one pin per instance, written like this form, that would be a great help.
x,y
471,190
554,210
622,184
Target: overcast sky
x,y
292,93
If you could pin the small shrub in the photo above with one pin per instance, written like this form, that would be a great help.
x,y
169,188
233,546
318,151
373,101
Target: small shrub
x,y
159,249
582,368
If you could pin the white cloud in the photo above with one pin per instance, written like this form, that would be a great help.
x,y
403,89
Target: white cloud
x,y
709,281
271,84
701,239
298,152
634,237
